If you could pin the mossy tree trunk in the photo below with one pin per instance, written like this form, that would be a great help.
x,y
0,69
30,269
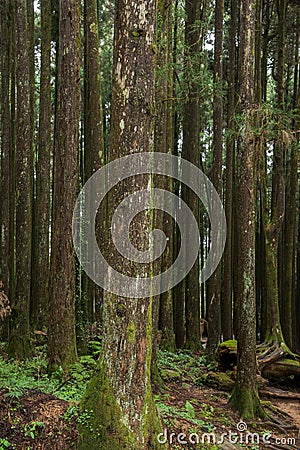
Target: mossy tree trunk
x,y
61,333
214,310
19,343
245,394
289,242
40,248
119,398
273,221
190,152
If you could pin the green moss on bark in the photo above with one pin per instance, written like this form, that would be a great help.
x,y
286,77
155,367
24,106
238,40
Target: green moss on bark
x,y
101,425
246,401
19,347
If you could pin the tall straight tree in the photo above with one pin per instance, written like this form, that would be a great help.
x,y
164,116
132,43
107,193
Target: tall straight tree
x,y
288,322
5,144
61,333
230,147
190,152
19,344
120,393
214,310
93,123
288,281
164,144
273,219
40,249
179,290
245,394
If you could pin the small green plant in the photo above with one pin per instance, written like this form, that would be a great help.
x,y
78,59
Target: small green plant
x,y
190,410
71,413
95,348
4,444
85,419
32,429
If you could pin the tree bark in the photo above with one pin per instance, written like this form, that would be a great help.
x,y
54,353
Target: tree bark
x,y
179,289
5,144
93,123
190,152
61,333
214,310
245,394
120,394
19,343
164,144
230,149
273,221
289,241
40,249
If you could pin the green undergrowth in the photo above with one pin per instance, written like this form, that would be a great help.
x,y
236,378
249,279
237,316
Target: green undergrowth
x,y
185,363
18,377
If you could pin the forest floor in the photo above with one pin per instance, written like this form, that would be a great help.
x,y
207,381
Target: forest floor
x,y
41,413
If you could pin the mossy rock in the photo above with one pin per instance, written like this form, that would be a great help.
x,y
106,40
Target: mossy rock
x,y
218,380
227,355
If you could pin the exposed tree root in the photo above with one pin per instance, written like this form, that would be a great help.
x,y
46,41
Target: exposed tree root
x,y
278,393
283,425
271,351
271,356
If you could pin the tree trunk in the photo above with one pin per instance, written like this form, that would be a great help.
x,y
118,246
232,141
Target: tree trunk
x,y
120,394
179,289
290,217
190,152
93,121
230,147
164,144
214,310
273,222
245,394
19,344
61,333
5,205
40,249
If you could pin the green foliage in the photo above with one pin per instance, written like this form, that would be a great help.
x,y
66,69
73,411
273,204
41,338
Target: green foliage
x,y
71,413
17,377
32,429
183,363
4,444
268,122
190,410
173,361
188,413
95,348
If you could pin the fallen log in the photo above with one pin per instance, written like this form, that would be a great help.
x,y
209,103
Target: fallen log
x,y
282,369
273,364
